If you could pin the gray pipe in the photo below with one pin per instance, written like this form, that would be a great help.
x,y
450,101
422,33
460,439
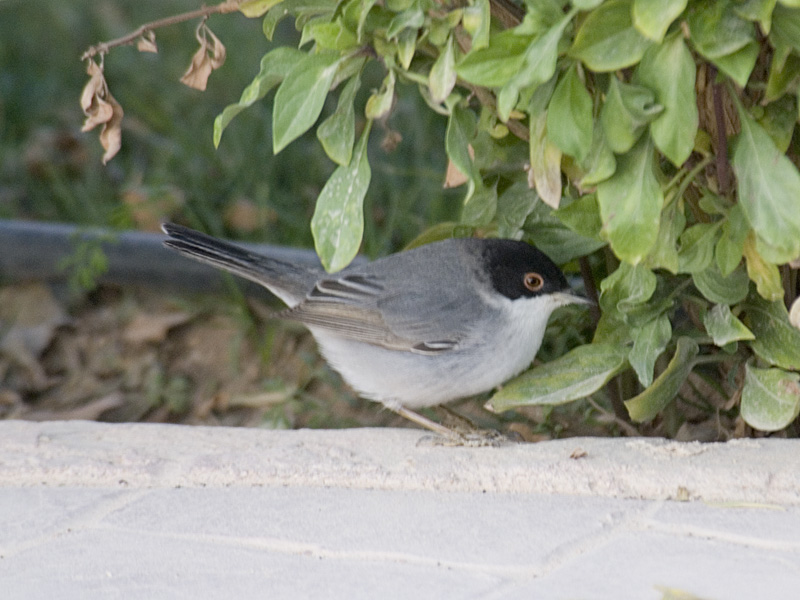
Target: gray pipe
x,y
34,251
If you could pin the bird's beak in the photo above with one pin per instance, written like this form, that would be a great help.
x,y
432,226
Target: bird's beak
x,y
565,298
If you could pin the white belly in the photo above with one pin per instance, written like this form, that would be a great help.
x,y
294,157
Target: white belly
x,y
503,349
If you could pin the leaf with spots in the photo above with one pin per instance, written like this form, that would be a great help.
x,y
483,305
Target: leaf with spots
x,y
338,222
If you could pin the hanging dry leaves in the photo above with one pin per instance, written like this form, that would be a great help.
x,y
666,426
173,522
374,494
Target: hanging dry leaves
x,y
147,43
101,108
210,56
454,177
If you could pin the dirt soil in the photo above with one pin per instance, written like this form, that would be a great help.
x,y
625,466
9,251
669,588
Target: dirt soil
x,y
136,355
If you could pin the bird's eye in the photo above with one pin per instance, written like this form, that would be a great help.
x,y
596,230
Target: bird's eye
x,y
533,281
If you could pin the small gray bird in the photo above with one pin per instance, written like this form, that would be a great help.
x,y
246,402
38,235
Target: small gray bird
x,y
419,328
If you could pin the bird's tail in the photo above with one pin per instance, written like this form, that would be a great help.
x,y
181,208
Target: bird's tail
x,y
287,281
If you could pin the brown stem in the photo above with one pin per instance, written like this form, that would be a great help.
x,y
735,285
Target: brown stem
x,y
723,166
103,47
507,13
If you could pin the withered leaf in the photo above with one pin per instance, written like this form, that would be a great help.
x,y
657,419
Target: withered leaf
x,y
147,43
454,177
209,56
101,108
152,328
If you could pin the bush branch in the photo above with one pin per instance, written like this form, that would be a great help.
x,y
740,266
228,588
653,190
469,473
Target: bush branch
x,y
103,47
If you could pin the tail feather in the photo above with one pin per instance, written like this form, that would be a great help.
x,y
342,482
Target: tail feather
x,y
287,281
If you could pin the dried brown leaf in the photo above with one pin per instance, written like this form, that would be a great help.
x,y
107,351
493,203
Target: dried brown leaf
x,y
146,327
147,43
91,410
101,108
210,56
454,177
111,135
30,315
97,83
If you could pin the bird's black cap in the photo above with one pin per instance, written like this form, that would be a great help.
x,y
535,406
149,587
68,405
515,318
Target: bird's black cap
x,y
509,262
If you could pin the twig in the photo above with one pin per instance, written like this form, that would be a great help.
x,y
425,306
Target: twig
x,y
723,167
621,423
507,13
103,47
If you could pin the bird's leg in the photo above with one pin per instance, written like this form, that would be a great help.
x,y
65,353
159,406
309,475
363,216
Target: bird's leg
x,y
423,421
450,437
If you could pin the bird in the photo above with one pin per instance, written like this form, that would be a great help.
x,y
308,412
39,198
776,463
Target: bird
x,y
443,321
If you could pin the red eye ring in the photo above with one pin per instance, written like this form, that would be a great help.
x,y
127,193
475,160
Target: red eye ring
x,y
533,281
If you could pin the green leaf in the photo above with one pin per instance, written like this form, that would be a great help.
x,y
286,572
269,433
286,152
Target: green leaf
x,y
299,99
600,163
338,221
777,341
477,22
586,4
480,208
729,290
538,66
460,132
607,39
275,65
496,65
435,233
739,65
664,254
647,405
652,18
513,207
778,121
575,375
332,35
770,398
545,161
256,8
406,47
724,38
303,10
786,27
363,8
545,157
669,70
716,29
569,116
764,274
555,239
630,203
757,10
626,112
697,247
730,246
379,103
768,190
442,77
649,341
337,133
399,5
413,18
723,327
582,216
627,288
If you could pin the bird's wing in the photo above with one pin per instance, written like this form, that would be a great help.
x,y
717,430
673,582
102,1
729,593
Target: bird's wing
x,y
365,307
